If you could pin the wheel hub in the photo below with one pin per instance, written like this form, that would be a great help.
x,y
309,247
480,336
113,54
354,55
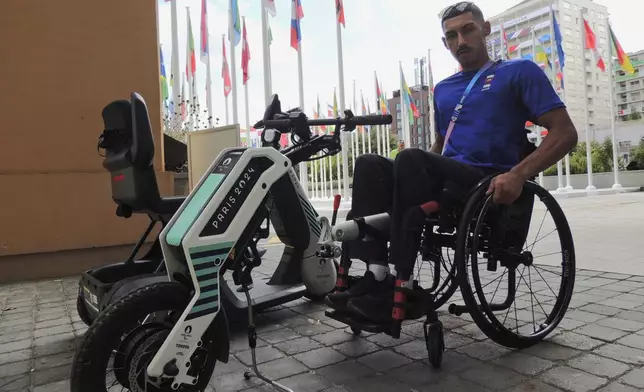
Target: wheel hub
x,y
527,258
142,355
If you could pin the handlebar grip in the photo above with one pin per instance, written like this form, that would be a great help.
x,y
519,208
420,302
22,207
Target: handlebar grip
x,y
380,119
284,123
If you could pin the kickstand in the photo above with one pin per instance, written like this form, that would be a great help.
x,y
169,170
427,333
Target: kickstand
x,y
252,342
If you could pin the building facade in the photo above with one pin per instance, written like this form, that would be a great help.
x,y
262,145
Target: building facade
x,y
629,89
528,30
421,124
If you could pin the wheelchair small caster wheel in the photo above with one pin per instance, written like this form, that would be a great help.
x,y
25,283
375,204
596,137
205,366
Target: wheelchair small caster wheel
x,y
356,331
435,343
247,375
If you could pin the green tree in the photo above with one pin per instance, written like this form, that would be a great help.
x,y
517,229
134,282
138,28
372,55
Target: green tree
x,y
601,154
635,114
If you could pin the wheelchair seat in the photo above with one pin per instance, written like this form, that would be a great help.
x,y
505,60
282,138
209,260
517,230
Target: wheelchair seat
x,y
129,155
455,194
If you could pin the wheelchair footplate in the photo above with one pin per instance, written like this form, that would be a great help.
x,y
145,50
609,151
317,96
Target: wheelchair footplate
x,y
358,324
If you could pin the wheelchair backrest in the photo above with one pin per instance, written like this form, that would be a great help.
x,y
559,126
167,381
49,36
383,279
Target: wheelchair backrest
x,y
129,155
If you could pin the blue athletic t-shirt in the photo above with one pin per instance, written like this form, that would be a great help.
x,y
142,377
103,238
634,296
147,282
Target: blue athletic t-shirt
x,y
490,130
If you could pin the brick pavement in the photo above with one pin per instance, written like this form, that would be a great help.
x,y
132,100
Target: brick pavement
x,y
599,346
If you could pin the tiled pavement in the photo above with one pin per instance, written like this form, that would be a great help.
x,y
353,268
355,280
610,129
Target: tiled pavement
x,y
599,346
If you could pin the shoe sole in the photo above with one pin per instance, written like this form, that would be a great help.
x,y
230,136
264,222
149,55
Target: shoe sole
x,y
334,306
356,311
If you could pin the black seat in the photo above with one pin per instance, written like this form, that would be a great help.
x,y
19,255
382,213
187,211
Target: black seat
x,y
129,157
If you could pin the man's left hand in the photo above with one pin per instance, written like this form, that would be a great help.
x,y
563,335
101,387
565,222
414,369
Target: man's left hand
x,y
506,187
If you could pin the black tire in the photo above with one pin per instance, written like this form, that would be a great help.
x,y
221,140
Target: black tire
x,y
104,335
482,313
435,344
81,308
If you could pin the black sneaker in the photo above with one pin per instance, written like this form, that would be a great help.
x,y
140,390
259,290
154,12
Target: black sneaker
x,y
375,307
338,300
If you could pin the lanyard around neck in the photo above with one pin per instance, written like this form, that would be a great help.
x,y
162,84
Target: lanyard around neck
x,y
459,105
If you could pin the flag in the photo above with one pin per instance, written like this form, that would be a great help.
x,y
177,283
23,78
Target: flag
x,y
205,39
270,7
339,11
558,41
380,98
409,101
296,15
164,80
335,105
236,23
330,110
225,74
245,55
540,56
191,61
618,52
319,113
591,43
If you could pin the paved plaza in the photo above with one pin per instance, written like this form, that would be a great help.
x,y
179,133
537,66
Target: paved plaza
x,y
598,347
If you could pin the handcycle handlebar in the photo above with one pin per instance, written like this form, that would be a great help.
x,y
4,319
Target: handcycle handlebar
x,y
351,122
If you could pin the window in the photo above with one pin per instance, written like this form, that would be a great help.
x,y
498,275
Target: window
x,y
567,31
566,5
589,75
567,18
601,15
590,101
398,107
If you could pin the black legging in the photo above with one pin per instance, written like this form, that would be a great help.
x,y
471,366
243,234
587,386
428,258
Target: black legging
x,y
382,185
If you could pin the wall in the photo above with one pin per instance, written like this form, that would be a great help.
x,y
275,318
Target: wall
x,y
70,60
627,179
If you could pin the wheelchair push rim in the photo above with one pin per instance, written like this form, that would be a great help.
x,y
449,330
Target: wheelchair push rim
x,y
528,325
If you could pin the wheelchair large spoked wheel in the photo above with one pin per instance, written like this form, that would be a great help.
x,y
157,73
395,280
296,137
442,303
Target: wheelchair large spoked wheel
x,y
500,241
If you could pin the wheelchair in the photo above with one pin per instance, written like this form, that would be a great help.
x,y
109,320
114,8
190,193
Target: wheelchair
x,y
486,239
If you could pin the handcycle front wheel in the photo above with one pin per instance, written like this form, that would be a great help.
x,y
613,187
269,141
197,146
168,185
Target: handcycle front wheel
x,y
477,238
140,320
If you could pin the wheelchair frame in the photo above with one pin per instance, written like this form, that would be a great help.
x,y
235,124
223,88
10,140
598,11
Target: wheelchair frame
x,y
501,242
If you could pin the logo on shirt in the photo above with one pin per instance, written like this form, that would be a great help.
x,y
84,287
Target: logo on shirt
x,y
488,82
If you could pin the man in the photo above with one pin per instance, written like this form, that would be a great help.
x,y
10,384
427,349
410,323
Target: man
x,y
395,151
488,136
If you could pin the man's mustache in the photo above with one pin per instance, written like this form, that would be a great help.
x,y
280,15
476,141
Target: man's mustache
x,y
463,49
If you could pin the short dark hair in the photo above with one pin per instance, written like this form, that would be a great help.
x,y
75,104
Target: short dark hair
x,y
462,7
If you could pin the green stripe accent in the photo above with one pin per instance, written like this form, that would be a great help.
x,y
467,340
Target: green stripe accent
x,y
206,248
193,209
209,282
208,294
205,306
207,271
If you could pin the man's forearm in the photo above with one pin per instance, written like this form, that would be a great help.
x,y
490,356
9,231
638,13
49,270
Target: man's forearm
x,y
553,148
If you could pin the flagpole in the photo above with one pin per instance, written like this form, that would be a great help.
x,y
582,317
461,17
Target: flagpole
x,y
233,67
246,109
430,82
534,58
356,145
266,51
345,160
175,73
304,172
589,158
404,110
616,185
190,76
502,39
560,166
368,129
